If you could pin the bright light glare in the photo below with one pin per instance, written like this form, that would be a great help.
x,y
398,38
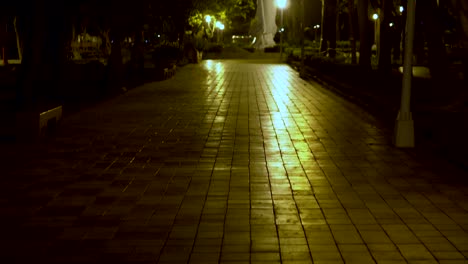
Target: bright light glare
x,y
402,9
208,19
375,16
219,25
391,24
281,3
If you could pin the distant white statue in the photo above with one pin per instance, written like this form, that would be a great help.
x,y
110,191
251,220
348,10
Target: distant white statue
x,y
264,29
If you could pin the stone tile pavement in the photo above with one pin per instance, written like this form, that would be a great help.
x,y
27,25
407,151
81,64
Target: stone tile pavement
x,y
228,162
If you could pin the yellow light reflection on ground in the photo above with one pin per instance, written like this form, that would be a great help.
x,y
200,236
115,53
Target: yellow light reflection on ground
x,y
281,84
214,67
209,64
216,81
219,68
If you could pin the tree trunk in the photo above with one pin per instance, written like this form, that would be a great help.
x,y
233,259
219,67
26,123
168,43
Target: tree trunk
x,y
364,35
107,45
328,41
4,39
302,72
438,63
324,31
297,21
115,67
460,8
385,52
137,60
291,23
397,36
43,56
18,41
337,23
352,32
464,22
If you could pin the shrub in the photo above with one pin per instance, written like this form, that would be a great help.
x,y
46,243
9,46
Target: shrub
x,y
273,49
166,52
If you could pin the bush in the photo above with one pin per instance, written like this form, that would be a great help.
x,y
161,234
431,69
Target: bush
x,y
312,44
166,52
273,49
244,45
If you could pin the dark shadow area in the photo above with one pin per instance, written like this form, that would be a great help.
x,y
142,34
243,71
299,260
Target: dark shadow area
x,y
439,108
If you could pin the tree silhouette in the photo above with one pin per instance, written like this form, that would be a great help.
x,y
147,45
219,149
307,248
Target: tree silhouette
x,y
385,49
364,35
329,14
352,30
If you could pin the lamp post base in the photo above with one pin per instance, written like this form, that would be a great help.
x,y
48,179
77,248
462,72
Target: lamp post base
x,y
404,131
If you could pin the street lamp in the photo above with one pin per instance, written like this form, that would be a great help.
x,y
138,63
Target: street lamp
x,y
281,4
219,26
316,28
376,34
208,19
375,17
404,127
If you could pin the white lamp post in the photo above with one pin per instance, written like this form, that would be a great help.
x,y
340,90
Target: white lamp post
x,y
281,4
404,128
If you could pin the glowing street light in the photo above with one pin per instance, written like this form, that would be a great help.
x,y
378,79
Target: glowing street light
x,y
219,26
281,4
316,28
208,19
375,16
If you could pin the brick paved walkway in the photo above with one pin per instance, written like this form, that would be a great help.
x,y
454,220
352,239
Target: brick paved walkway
x,y
228,162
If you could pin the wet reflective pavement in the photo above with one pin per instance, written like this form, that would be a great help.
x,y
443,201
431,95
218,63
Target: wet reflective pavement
x,y
229,162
